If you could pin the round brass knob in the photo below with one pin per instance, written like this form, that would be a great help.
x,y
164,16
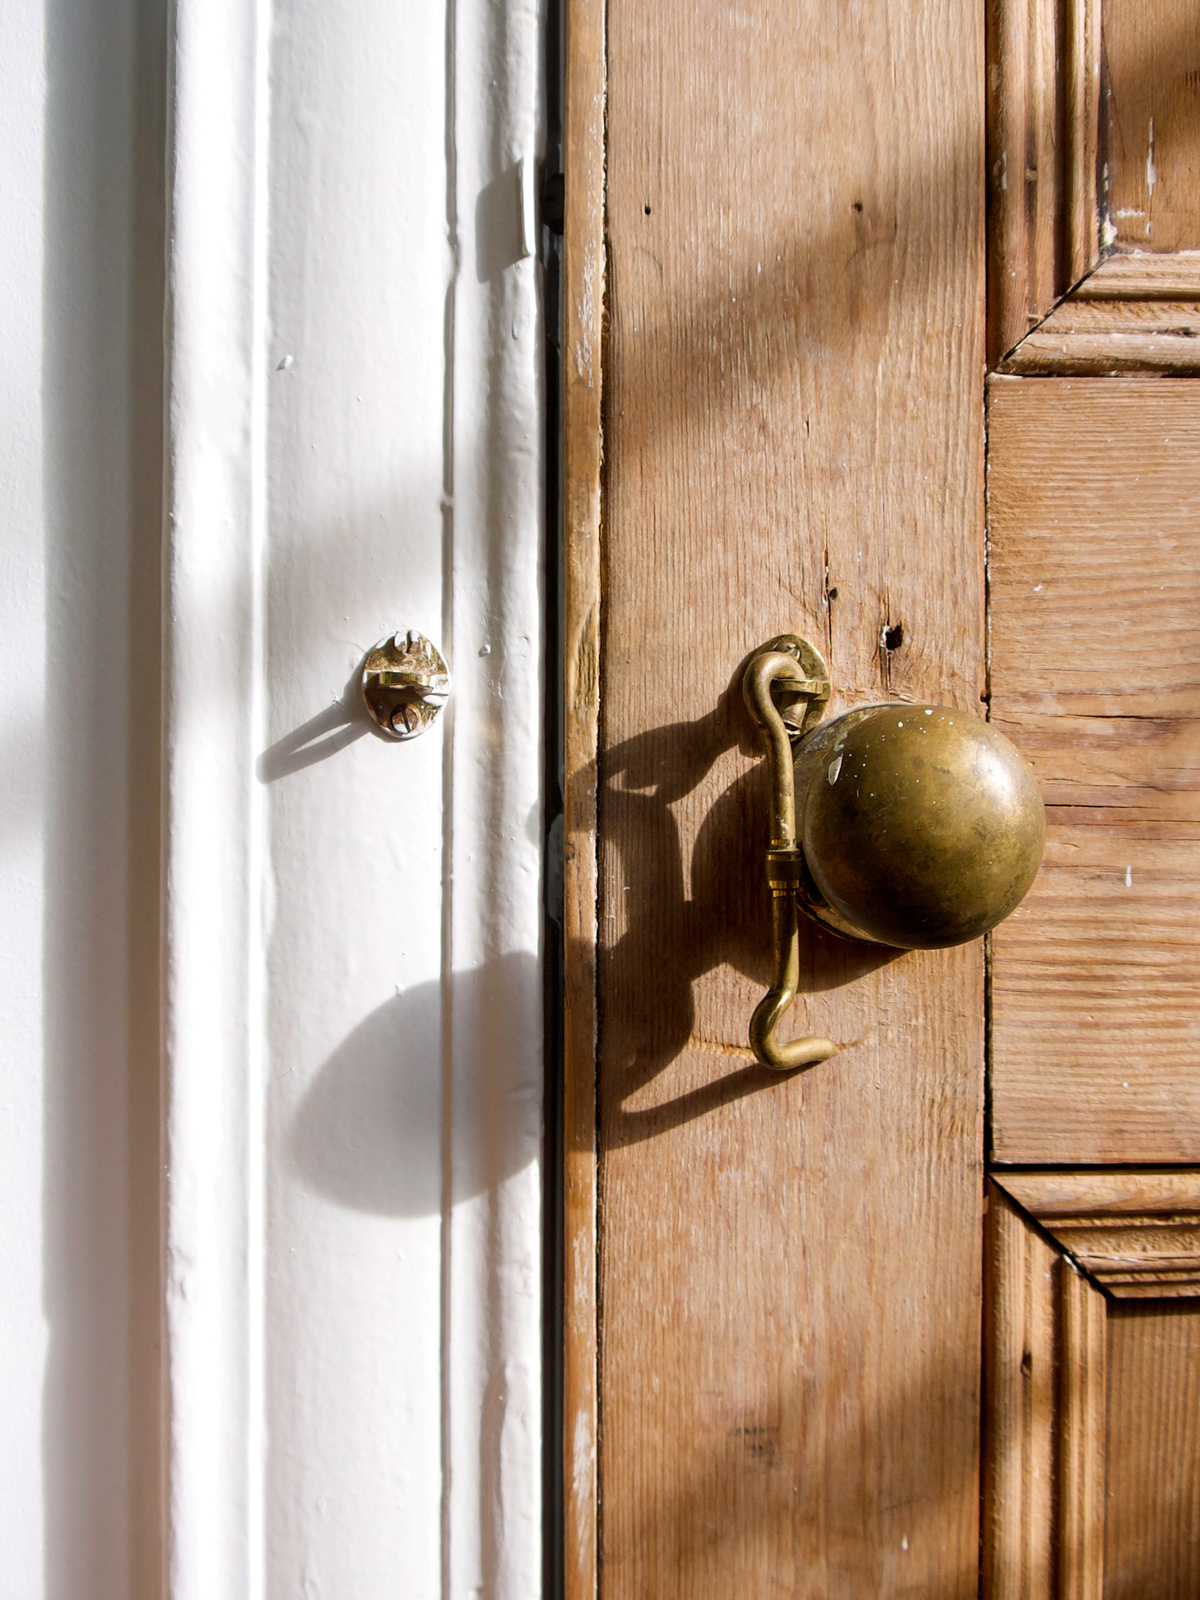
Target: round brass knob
x,y
920,826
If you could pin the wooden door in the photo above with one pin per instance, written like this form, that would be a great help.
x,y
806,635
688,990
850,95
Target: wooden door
x,y
819,227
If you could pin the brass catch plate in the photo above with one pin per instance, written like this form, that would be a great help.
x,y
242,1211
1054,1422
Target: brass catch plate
x,y
405,683
801,700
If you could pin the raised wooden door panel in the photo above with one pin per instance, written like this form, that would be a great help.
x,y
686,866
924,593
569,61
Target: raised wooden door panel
x,y
1092,1395
1093,148
789,1266
1149,176
1094,530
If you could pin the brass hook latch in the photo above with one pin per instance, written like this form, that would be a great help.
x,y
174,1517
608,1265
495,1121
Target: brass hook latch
x,y
911,826
792,670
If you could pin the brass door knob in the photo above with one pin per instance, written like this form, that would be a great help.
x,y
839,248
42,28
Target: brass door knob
x,y
906,825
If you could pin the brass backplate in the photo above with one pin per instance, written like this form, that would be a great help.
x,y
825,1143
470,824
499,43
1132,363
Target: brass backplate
x,y
802,704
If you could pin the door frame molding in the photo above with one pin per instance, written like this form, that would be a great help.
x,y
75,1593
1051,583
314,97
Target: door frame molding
x,y
467,1361
583,299
213,625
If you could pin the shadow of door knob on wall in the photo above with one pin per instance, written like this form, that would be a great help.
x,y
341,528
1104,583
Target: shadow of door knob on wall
x,y
912,826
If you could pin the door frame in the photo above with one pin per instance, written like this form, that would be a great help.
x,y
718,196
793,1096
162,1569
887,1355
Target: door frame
x,y
584,41
440,488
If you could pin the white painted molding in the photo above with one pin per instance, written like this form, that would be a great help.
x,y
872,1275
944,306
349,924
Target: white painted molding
x,y
26,1326
494,1400
355,441
214,1024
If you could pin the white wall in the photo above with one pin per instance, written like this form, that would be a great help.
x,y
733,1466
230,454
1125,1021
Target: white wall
x,y
81,149
343,1161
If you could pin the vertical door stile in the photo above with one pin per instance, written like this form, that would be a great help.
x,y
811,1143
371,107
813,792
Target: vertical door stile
x,y
584,268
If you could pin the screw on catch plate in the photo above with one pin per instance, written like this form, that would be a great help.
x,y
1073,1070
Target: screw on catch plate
x,y
405,683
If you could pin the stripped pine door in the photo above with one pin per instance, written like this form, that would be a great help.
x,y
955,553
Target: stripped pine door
x,y
791,1300
1092,1314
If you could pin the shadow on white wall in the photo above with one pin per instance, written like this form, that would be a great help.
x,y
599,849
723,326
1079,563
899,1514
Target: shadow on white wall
x,y
369,1134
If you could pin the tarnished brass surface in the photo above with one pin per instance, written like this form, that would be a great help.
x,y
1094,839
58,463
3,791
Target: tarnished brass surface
x,y
920,826
799,686
911,826
786,679
771,1009
405,683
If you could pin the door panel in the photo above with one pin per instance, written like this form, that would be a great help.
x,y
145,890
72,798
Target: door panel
x,y
1092,1427
1094,544
789,1267
1150,131
1093,512
1152,1523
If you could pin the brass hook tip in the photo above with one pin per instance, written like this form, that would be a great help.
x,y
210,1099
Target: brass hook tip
x,y
800,1053
767,1049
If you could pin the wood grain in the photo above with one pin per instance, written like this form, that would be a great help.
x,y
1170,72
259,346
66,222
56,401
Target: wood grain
x,y
1136,1234
1134,315
1144,277
1043,120
789,1265
1152,1536
1022,172
1050,1196
1019,1407
1081,105
583,274
1092,1410
1152,130
1044,1417
1081,1437
1094,488
1086,337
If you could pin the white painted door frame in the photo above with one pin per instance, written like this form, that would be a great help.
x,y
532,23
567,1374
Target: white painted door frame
x,y
353,928
270,1063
